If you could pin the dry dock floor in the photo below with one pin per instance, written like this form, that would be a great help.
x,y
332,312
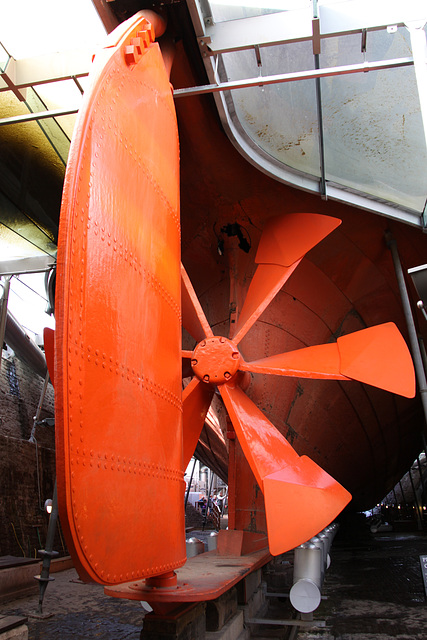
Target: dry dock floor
x,y
373,591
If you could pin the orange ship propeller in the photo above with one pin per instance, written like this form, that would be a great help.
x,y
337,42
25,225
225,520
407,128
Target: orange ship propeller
x,y
300,497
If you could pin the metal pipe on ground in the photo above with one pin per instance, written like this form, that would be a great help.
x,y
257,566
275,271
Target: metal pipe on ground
x,y
311,559
194,546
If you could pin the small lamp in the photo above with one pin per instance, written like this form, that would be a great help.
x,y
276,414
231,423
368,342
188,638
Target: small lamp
x,y
48,505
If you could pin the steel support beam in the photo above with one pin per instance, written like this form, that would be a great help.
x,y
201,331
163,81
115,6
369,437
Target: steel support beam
x,y
30,72
3,312
310,74
413,338
240,84
40,115
35,264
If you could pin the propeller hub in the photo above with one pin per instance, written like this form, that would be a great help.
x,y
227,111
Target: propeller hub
x,y
215,360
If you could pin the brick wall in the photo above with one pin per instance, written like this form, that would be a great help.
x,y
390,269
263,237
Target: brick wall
x,y
27,469
20,391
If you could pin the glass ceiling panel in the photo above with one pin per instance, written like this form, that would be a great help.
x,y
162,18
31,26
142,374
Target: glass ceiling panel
x,y
374,141
19,236
54,133
289,133
30,33
224,10
39,42
55,95
279,118
373,128
30,28
4,58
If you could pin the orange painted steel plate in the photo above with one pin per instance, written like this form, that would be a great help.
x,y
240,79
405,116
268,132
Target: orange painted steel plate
x,y
307,492
204,577
287,238
300,497
196,400
118,338
49,350
378,356
265,285
193,317
320,361
284,242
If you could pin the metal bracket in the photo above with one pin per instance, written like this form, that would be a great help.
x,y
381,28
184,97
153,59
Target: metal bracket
x,y
8,76
316,36
204,41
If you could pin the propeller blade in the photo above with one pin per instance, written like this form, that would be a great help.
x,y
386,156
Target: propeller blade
x,y
193,316
378,356
284,242
267,281
289,237
320,361
187,369
300,497
196,400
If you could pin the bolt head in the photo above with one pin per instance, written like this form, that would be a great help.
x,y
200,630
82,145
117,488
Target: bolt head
x,y
131,54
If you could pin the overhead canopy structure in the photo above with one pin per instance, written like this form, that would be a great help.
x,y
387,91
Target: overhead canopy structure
x,y
327,96
324,95
45,56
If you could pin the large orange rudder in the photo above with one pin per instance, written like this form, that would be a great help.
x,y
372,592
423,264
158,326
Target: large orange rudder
x,y
118,338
